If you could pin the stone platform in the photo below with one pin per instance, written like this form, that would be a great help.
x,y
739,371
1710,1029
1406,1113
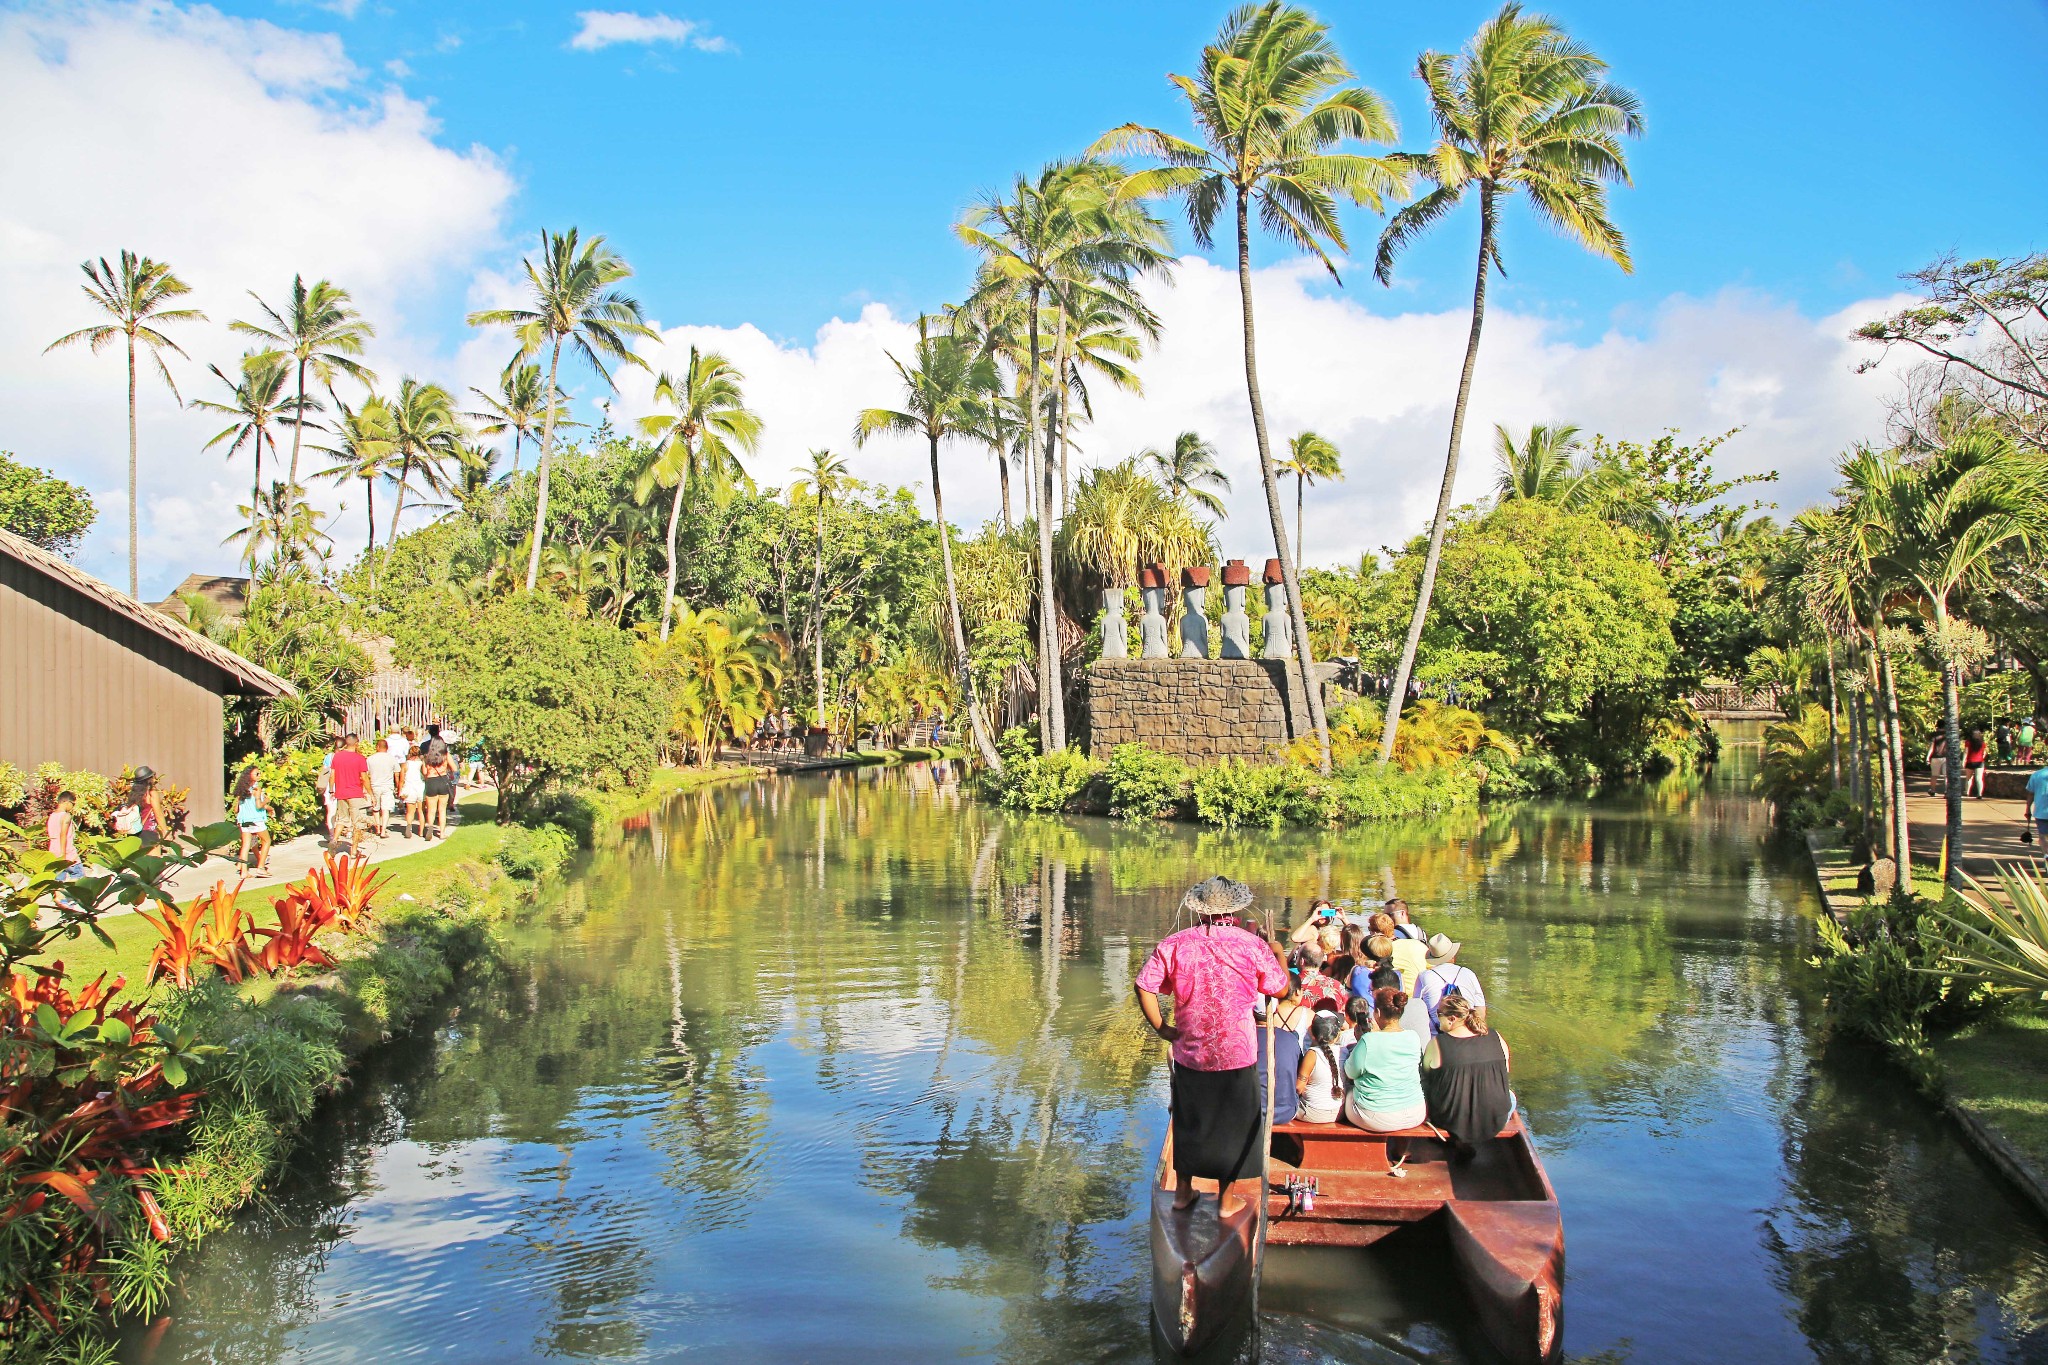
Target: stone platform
x,y
1199,709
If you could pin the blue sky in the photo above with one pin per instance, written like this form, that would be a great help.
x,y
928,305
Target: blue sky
x,y
784,177
1809,150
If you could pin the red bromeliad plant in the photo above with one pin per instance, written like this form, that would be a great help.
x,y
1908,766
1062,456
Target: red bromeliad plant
x,y
291,943
83,1082
211,930
341,892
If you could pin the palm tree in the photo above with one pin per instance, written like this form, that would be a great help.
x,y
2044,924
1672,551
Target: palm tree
x,y
1524,107
824,479
988,328
260,397
518,406
425,436
1544,465
938,393
1190,472
721,669
363,449
1309,457
135,297
1932,527
1064,240
282,521
319,331
1123,520
1272,103
700,441
574,305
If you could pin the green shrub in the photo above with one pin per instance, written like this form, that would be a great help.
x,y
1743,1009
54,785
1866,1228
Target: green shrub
x,y
1038,782
13,787
531,854
1369,792
1233,794
1878,986
290,779
572,811
1143,783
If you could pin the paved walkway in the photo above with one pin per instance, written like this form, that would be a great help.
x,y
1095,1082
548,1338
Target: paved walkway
x,y
1991,830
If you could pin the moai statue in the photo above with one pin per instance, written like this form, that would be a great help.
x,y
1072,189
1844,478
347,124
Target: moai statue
x,y
1237,627
1279,639
1194,625
1115,634
1152,625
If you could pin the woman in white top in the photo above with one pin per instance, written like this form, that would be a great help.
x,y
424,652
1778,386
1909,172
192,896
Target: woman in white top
x,y
1321,1082
412,789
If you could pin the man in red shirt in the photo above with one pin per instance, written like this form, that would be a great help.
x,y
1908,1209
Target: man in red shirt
x,y
1214,972
351,771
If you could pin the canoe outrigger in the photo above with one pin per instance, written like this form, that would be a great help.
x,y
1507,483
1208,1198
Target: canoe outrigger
x,y
1498,1207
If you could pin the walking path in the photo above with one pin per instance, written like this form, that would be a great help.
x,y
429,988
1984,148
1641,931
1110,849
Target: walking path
x,y
1991,831
290,861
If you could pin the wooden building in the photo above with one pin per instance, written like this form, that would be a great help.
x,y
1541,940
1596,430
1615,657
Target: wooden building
x,y
91,678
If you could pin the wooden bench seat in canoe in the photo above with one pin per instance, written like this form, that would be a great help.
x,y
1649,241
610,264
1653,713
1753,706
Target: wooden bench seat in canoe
x,y
1341,1147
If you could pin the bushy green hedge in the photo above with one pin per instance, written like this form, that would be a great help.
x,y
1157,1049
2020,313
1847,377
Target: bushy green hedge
x,y
1038,782
1233,794
290,778
537,852
1877,989
1144,784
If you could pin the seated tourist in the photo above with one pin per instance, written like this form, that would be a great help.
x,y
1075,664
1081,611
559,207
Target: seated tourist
x,y
1321,915
1403,927
1379,950
1443,976
1409,955
1317,989
1292,1013
1320,1080
1385,1069
1465,1075
1286,1062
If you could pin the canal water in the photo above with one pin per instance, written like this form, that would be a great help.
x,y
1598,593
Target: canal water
x,y
845,1067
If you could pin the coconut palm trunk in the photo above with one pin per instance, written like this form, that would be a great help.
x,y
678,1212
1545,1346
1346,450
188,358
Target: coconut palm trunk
x,y
1300,501
398,511
134,587
1052,711
1274,511
1398,694
1834,721
298,427
818,589
1893,738
675,516
370,547
977,725
1952,733
1003,475
540,506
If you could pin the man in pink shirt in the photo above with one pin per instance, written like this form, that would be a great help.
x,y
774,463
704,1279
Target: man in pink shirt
x,y
1214,972
351,771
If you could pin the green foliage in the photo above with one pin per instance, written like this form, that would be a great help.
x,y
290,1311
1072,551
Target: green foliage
x,y
13,787
1999,939
548,698
1879,986
1038,782
289,778
297,630
1233,794
1795,759
1143,783
42,508
531,854
1369,792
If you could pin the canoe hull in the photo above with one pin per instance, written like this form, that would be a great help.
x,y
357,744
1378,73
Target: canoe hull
x,y
1202,1264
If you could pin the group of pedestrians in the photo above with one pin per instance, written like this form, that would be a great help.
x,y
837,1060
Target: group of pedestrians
x,y
1373,1020
408,779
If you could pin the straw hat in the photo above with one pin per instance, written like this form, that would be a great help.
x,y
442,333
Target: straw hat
x,y
1216,896
1442,948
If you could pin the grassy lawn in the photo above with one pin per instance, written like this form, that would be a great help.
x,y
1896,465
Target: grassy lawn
x,y
474,840
1998,1069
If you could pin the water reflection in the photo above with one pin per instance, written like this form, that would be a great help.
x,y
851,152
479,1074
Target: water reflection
x,y
845,1068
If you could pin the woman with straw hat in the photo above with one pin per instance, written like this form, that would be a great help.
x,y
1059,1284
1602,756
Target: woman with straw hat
x,y
1214,971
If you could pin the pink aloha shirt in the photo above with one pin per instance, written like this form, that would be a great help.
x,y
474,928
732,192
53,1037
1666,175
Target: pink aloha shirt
x,y
1214,975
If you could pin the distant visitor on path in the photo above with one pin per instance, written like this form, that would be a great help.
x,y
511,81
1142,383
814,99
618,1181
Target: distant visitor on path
x,y
252,815
1214,971
351,772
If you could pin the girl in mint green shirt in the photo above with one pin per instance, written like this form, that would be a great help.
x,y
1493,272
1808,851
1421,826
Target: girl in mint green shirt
x,y
1385,1067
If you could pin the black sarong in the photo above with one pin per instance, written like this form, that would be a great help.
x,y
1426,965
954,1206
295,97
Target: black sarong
x,y
1216,1120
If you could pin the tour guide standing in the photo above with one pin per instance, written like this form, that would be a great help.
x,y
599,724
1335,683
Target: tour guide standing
x,y
1213,971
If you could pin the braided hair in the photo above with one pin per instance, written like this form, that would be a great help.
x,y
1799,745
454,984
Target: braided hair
x,y
1324,1032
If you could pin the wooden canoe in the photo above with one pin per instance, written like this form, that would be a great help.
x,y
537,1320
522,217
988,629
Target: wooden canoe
x,y
1202,1264
1499,1211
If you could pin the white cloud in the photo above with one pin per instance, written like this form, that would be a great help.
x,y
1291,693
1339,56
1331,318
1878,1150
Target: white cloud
x,y
604,28
1379,384
253,152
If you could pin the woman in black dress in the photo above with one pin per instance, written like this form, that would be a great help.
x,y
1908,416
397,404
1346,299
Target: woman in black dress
x,y
1465,1076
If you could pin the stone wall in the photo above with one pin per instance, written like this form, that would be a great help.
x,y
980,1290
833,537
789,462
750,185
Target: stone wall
x,y
1200,709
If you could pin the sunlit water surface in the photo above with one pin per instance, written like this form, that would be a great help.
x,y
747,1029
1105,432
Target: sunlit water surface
x,y
844,1068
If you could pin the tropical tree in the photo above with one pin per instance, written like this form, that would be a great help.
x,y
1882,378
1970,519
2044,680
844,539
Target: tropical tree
x,y
1523,108
700,440
260,396
282,522
573,305
1545,464
519,406
1063,242
989,328
1189,471
720,670
426,437
1271,103
318,331
1309,457
364,448
1122,520
136,296
1932,526
939,392
822,480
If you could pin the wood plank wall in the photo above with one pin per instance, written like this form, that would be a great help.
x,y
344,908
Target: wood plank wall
x,y
83,686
